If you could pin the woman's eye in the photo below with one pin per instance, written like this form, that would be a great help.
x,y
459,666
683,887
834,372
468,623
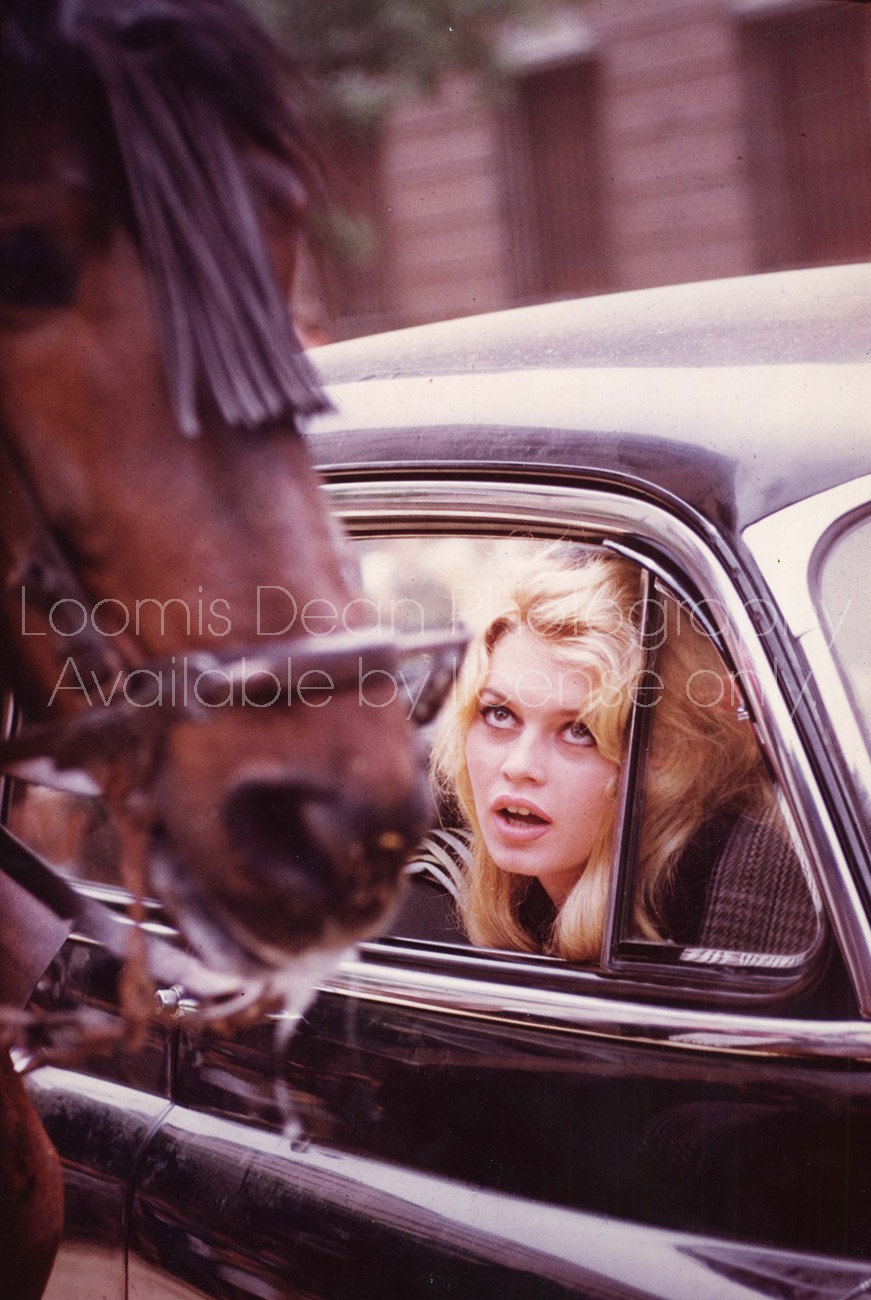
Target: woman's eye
x,y
497,715
34,272
576,733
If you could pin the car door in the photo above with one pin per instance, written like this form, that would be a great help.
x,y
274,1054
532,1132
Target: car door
x,y
449,1121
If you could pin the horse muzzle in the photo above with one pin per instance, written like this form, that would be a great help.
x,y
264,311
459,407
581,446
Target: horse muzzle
x,y
302,869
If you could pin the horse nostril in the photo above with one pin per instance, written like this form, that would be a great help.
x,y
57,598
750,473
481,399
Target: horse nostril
x,y
307,854
267,827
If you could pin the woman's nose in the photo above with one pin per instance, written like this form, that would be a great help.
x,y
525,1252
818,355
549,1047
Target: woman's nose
x,y
524,759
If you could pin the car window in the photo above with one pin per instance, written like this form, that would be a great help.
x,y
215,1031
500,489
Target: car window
x,y
709,882
736,890
843,605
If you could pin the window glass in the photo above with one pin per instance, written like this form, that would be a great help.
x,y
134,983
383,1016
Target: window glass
x,y
419,584
554,181
843,605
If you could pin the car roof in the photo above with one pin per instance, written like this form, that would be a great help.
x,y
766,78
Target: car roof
x,y
738,396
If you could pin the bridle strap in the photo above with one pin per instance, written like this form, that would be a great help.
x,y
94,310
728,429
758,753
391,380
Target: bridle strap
x,y
417,669
34,567
197,681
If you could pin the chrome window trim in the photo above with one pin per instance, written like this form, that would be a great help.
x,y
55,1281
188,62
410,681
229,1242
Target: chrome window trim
x,y
805,531
605,1016
369,508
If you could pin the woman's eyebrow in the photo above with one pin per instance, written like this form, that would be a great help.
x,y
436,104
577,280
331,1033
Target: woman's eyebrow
x,y
573,715
490,695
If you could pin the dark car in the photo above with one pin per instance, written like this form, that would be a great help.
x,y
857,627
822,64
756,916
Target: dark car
x,y
674,1120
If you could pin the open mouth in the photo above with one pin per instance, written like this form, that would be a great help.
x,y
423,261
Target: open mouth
x,y
519,821
515,815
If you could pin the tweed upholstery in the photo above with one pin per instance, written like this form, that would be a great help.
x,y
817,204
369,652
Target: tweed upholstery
x,y
759,899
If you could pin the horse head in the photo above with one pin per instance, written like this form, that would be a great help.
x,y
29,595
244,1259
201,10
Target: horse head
x,y
181,617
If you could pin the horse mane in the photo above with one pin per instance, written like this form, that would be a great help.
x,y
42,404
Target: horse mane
x,y
197,100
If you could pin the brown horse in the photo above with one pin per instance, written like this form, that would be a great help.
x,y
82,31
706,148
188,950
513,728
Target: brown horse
x,y
163,533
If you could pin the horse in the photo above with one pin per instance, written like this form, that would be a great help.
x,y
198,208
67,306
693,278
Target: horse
x,y
179,616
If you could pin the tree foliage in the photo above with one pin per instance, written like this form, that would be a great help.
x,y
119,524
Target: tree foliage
x,y
367,54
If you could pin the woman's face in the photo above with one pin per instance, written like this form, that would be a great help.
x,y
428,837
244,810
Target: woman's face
x,y
538,780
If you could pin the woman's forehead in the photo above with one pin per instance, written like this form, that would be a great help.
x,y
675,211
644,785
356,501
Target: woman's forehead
x,y
525,670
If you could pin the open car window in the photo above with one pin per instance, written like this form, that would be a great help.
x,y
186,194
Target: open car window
x,y
696,883
737,893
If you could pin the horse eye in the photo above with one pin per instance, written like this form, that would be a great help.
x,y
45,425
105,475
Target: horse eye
x,y
34,272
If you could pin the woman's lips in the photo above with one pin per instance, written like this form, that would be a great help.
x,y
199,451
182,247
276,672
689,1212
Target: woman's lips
x,y
518,821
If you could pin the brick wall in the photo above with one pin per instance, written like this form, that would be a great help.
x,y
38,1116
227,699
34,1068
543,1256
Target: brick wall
x,y
679,203
443,175
677,183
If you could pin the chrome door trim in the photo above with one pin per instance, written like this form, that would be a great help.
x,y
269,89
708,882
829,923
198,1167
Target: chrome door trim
x,y
370,508
621,1020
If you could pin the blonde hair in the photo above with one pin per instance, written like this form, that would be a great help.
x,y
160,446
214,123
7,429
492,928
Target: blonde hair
x,y
584,607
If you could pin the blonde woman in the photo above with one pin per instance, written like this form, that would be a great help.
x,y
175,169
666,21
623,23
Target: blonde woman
x,y
529,753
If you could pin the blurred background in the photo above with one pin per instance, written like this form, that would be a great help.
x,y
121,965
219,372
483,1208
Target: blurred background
x,y
489,153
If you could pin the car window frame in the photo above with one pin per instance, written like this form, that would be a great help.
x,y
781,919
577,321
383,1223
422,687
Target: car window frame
x,y
839,529
414,503
804,531
461,979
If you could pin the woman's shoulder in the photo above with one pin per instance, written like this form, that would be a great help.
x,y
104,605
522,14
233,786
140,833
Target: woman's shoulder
x,y
443,857
741,886
430,905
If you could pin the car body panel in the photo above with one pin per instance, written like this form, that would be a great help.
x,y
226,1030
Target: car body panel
x,y
717,439
589,1117
785,353
817,317
101,1130
269,1217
